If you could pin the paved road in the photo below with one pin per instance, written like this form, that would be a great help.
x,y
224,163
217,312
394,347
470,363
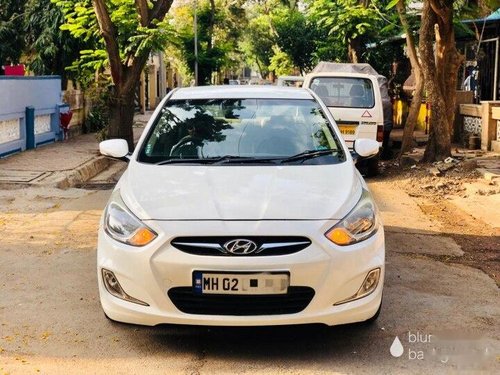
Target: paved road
x,y
51,321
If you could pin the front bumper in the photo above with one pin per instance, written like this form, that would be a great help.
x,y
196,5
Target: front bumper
x,y
148,273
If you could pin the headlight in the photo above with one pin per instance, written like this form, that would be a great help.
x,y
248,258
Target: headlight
x,y
121,225
360,224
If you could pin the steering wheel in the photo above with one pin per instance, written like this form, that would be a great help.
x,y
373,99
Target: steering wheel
x,y
186,147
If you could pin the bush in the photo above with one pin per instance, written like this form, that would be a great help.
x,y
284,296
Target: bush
x,y
97,119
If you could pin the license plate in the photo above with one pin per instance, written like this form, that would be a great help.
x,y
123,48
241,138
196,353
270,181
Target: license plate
x,y
347,129
240,283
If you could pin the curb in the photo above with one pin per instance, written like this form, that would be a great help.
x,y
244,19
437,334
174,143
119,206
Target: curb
x,y
82,173
63,179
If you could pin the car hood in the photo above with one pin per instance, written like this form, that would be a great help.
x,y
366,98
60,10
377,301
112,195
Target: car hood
x,y
170,192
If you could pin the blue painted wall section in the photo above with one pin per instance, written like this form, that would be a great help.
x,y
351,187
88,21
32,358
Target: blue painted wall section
x,y
30,128
33,104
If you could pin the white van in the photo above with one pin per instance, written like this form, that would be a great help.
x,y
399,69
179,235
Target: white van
x,y
357,97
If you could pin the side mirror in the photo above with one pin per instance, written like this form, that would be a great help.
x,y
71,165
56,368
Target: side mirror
x,y
366,147
115,148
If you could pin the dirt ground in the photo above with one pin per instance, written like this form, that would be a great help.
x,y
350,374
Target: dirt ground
x,y
442,275
442,196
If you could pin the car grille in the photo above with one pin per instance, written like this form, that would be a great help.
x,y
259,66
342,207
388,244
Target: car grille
x,y
296,300
265,245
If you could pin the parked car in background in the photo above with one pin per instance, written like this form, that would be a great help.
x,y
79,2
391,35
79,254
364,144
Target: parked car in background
x,y
241,206
357,97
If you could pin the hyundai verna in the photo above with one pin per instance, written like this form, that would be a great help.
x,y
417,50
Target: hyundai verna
x,y
241,206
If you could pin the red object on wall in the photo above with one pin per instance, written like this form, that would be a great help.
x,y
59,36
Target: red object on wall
x,y
14,70
65,118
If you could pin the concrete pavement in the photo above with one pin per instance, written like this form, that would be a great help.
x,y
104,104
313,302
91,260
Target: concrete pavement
x,y
62,164
51,321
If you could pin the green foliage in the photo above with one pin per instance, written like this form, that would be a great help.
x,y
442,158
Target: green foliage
x,y
296,37
218,35
466,9
50,49
132,38
257,44
382,57
492,4
80,18
345,22
151,39
81,24
391,4
97,120
328,48
281,64
387,48
87,64
346,19
11,30
279,38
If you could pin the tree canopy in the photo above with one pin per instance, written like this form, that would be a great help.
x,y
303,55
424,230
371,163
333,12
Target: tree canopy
x,y
114,38
50,49
11,31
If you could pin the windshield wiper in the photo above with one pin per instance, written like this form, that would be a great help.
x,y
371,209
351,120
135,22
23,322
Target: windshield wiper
x,y
308,154
183,161
240,159
217,160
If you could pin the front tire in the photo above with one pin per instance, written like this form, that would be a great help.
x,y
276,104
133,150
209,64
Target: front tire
x,y
372,168
369,167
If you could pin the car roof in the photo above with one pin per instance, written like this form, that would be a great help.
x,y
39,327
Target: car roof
x,y
340,74
292,78
241,92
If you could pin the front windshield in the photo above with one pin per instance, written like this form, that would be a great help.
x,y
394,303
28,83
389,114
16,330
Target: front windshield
x,y
257,129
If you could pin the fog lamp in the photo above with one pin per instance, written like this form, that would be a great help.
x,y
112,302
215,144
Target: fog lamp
x,y
114,288
367,287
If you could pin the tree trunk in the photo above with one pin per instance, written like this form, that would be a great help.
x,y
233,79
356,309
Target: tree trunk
x,y
211,25
440,70
121,118
121,102
354,50
259,67
125,73
207,76
354,47
411,120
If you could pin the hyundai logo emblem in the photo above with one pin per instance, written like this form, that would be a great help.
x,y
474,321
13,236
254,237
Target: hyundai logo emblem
x,y
240,246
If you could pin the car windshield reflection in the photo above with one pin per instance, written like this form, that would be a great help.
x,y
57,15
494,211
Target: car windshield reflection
x,y
245,131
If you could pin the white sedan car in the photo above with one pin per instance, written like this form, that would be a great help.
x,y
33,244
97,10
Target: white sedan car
x,y
241,206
